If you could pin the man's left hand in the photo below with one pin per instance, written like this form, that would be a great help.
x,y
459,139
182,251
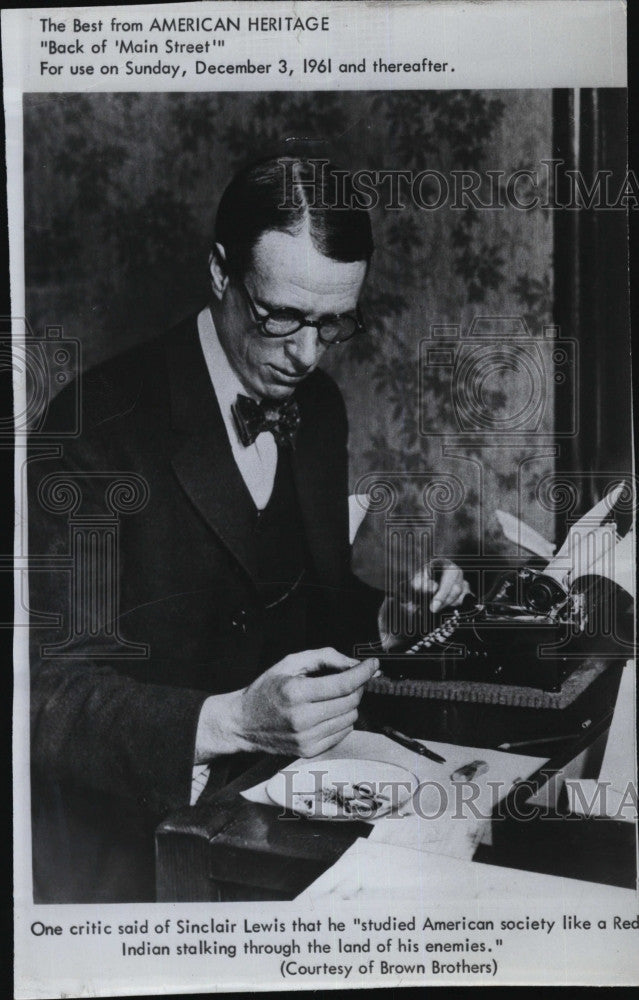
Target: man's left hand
x,y
440,577
444,580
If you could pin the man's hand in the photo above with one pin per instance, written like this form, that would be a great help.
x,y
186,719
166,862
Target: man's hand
x,y
301,706
444,580
441,578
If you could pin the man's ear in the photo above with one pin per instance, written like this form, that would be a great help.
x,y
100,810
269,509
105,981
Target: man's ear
x,y
217,270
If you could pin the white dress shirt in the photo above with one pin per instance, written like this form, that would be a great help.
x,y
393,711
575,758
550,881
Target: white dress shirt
x,y
257,462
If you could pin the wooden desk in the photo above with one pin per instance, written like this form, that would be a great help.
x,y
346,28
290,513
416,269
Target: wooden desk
x,y
226,848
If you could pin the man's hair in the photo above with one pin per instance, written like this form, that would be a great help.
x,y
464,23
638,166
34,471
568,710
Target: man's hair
x,y
285,194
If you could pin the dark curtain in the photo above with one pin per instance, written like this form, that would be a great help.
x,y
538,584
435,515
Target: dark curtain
x,y
591,285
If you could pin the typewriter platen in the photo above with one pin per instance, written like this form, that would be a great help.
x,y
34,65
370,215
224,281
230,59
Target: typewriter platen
x,y
536,625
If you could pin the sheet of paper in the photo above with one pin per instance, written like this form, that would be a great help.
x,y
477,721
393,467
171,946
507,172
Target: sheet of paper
x,y
611,793
358,504
371,871
446,815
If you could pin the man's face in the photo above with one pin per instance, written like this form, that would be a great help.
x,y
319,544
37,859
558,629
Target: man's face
x,y
287,273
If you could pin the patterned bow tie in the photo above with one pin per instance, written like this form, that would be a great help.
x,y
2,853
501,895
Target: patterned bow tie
x,y
251,418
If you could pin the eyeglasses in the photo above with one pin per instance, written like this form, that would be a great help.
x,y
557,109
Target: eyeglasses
x,y
332,329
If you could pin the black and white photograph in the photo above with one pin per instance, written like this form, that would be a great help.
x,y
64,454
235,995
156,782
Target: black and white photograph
x,y
325,504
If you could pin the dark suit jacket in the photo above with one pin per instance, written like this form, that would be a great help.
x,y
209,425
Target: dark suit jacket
x,y
113,737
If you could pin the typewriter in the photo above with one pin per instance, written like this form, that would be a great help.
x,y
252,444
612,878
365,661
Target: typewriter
x,y
536,625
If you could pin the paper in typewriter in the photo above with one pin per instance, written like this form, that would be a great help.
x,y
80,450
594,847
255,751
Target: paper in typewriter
x,y
319,333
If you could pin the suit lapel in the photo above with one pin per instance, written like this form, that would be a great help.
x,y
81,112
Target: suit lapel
x,y
201,457
204,465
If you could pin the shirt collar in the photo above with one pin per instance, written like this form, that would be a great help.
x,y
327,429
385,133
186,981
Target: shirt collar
x,y
226,381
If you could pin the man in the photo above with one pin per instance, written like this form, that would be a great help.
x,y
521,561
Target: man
x,y
236,574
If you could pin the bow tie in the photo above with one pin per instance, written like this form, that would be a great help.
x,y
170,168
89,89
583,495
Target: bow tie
x,y
251,418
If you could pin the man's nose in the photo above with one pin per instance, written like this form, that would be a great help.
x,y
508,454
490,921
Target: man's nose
x,y
305,348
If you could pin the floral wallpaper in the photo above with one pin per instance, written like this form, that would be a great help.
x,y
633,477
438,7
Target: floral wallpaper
x,y
120,196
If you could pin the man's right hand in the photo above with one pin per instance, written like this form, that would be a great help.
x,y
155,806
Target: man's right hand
x,y
301,706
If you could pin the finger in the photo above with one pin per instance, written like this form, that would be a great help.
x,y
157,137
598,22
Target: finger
x,y
453,597
450,580
452,590
341,684
322,738
311,661
332,726
331,741
306,716
464,591
327,661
